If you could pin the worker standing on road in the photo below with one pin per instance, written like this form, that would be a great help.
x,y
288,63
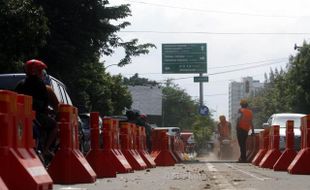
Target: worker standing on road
x,y
244,125
224,128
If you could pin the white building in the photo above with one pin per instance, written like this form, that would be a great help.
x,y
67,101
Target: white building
x,y
239,90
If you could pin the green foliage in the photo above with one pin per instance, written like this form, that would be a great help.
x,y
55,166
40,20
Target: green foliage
x,y
23,31
135,80
285,91
178,108
70,36
203,128
181,111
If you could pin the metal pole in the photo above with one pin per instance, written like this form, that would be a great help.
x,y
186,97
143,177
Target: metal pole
x,y
200,91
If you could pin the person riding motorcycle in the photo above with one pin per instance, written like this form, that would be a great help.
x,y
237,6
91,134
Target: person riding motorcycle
x,y
33,85
224,128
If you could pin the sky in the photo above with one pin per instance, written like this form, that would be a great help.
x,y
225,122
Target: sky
x,y
251,36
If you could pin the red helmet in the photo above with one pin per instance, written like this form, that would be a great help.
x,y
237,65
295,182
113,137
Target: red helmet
x,y
34,67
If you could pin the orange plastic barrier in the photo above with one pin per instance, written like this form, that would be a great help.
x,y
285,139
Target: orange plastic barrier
x,y
289,153
16,145
69,165
2,185
96,157
141,147
176,144
273,152
111,146
161,149
252,147
263,146
300,164
128,144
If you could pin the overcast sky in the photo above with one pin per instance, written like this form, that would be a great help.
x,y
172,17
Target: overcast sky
x,y
249,33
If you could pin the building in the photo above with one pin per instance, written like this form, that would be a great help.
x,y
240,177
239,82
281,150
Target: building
x,y
238,90
148,100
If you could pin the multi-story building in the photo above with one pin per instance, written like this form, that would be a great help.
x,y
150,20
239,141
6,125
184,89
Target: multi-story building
x,y
239,90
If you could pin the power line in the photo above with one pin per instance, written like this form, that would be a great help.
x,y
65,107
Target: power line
x,y
211,11
217,33
220,67
229,71
249,63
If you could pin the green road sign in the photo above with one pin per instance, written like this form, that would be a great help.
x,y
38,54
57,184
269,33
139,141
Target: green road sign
x,y
201,79
184,58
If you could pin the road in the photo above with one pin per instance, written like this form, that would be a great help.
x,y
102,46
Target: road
x,y
203,174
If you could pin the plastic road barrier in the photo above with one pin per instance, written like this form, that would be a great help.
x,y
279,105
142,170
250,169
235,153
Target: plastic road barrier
x,y
69,165
289,153
300,164
263,146
127,138
96,157
141,147
111,146
17,155
273,152
161,149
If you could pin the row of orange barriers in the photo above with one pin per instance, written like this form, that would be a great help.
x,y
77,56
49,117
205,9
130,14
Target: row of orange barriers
x,y
123,151
166,150
269,155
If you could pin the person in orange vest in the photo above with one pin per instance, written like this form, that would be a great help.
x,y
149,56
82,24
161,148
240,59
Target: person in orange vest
x,y
244,125
224,128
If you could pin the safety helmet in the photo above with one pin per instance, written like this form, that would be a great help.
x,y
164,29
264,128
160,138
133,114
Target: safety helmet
x,y
34,67
243,102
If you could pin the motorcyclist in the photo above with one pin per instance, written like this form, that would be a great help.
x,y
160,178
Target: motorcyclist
x,y
33,85
224,128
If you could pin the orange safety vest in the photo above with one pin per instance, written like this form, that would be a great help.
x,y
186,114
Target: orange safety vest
x,y
245,121
223,129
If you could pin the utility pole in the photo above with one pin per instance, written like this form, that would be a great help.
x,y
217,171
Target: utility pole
x,y
200,91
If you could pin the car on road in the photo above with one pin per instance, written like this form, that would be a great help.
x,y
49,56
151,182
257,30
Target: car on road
x,y
280,119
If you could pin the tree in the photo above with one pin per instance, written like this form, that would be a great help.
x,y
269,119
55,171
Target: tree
x,y
70,37
298,77
23,32
136,80
286,91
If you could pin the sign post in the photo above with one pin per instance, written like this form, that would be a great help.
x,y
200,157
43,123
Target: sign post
x,y
186,58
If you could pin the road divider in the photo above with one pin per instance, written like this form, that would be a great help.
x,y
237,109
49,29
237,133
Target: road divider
x,y
69,166
96,157
300,164
161,148
20,167
263,146
289,153
273,153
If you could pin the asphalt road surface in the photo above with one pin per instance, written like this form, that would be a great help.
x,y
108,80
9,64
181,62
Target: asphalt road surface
x,y
203,174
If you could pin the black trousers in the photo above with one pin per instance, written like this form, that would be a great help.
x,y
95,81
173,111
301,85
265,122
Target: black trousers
x,y
242,136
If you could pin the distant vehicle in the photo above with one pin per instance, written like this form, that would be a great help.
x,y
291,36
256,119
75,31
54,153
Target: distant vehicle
x,y
280,119
172,131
